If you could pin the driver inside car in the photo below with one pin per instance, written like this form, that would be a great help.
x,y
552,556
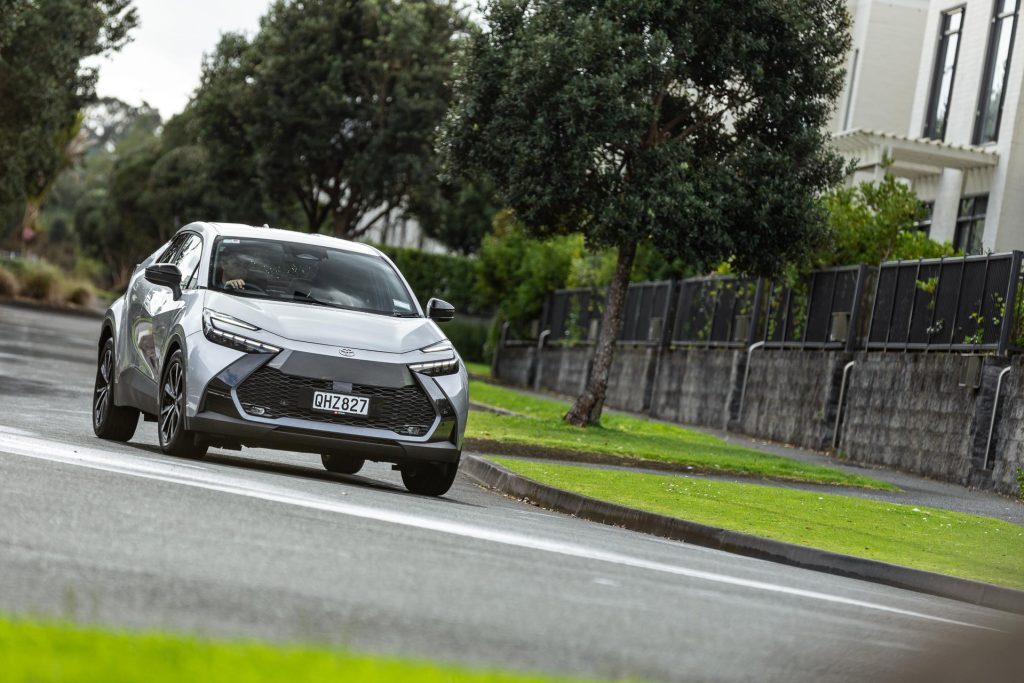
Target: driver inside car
x,y
234,270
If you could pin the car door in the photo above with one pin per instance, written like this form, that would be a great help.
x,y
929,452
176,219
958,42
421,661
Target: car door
x,y
143,297
166,312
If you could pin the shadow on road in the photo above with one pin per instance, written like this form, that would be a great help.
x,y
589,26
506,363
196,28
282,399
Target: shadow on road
x,y
296,472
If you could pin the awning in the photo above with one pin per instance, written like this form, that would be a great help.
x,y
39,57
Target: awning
x,y
911,157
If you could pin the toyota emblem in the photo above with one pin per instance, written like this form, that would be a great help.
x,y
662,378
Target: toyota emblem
x,y
348,353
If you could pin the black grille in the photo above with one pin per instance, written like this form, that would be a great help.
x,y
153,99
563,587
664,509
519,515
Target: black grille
x,y
405,411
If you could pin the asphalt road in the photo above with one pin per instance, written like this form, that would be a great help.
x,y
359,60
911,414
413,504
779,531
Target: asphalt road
x,y
267,545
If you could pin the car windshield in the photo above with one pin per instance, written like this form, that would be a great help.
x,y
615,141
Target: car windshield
x,y
310,274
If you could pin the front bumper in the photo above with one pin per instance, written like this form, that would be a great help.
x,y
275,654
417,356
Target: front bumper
x,y
262,400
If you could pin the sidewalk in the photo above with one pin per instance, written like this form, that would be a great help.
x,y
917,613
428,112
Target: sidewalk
x,y
915,490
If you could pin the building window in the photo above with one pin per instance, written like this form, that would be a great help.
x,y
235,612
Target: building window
x,y
942,76
997,68
970,224
924,223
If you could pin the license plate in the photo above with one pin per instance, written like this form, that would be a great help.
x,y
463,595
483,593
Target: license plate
x,y
340,403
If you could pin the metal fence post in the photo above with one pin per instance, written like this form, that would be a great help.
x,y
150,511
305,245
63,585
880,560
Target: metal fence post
x,y
858,294
668,329
755,311
496,356
1009,305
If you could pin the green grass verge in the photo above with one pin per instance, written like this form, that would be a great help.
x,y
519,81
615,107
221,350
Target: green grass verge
x,y
481,369
541,425
952,543
43,652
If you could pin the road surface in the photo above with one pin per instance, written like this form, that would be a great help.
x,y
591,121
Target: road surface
x,y
268,545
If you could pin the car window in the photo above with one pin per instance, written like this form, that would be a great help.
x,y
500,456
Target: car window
x,y
312,274
173,249
187,260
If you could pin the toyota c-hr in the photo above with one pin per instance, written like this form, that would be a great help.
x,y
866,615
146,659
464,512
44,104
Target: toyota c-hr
x,y
232,336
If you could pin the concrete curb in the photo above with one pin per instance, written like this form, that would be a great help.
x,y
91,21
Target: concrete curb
x,y
974,592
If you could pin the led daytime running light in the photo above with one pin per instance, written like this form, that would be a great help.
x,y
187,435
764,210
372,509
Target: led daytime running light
x,y
218,335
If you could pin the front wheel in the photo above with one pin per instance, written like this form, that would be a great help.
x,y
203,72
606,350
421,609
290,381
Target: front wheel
x,y
429,478
174,438
109,421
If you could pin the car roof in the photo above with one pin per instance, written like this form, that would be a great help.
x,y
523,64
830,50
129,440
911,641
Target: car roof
x,y
267,233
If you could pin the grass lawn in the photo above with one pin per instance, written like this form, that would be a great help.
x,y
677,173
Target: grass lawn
x,y
42,652
541,425
948,542
481,369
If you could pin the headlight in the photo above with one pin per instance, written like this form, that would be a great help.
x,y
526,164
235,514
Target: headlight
x,y
217,328
445,366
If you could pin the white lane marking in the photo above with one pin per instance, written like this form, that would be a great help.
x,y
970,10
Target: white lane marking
x,y
65,410
140,466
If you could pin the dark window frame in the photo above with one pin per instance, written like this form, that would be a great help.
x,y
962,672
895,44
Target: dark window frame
x,y
967,223
981,112
924,224
931,126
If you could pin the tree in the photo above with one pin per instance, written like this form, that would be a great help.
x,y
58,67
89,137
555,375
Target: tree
x,y
459,214
214,120
337,102
874,222
44,86
695,124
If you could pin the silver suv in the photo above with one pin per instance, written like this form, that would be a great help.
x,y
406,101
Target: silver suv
x,y
232,336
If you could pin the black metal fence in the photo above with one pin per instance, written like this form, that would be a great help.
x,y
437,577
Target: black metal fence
x,y
955,304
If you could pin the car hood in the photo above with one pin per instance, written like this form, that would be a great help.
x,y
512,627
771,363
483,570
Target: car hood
x,y
332,326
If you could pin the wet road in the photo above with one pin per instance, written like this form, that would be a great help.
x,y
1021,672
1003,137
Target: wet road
x,y
267,545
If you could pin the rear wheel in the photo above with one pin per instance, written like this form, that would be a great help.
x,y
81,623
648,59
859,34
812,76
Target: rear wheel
x,y
429,478
341,464
116,423
174,438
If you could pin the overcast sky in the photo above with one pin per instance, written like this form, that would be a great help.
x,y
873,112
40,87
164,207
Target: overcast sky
x,y
161,64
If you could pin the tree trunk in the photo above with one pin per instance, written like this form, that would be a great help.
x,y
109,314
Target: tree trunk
x,y
31,215
588,407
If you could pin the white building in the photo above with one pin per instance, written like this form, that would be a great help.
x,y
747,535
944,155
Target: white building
x,y
935,87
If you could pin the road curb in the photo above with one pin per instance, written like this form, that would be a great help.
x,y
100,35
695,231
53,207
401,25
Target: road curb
x,y
965,590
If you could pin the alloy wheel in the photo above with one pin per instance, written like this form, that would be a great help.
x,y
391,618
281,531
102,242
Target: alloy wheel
x,y
171,403
101,397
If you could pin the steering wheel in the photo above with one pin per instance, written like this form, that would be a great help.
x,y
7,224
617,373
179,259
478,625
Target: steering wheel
x,y
253,288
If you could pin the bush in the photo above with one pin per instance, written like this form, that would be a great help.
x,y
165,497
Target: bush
x,y
8,283
469,336
41,283
452,278
80,294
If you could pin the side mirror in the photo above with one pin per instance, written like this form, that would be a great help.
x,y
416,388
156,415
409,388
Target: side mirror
x,y
165,275
440,311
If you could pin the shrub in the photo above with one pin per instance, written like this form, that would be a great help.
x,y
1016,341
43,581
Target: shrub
x,y
41,282
469,336
8,283
80,294
452,278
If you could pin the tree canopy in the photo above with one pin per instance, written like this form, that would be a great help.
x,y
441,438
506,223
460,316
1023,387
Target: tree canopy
x,y
45,86
335,103
698,125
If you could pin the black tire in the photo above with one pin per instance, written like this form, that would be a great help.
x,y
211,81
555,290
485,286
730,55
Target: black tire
x,y
429,478
174,438
341,464
116,423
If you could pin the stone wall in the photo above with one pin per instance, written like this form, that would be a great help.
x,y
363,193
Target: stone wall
x,y
791,396
900,410
692,386
905,410
1006,456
